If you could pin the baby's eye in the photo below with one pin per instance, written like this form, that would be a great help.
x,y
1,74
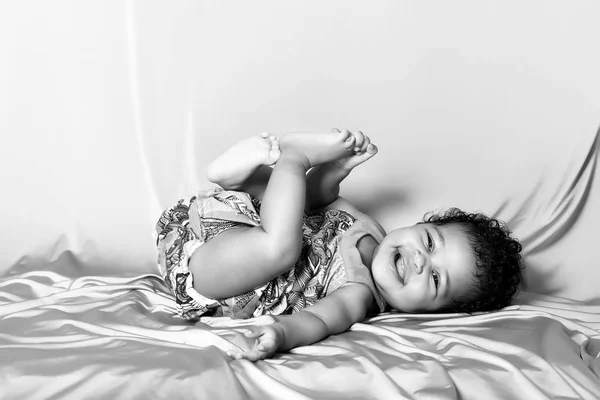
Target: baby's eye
x,y
436,279
429,242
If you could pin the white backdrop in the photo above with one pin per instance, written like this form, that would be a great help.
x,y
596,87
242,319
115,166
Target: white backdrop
x,y
111,110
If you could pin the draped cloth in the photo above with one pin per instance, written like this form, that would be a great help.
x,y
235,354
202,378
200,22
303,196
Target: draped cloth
x,y
71,337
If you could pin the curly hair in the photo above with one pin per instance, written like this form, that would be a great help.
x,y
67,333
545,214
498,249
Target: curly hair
x,y
497,256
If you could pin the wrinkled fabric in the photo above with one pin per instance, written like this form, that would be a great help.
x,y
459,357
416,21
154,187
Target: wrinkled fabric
x,y
64,336
182,229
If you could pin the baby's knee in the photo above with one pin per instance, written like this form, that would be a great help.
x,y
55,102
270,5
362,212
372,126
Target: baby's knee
x,y
284,251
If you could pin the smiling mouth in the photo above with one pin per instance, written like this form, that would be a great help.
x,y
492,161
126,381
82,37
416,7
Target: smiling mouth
x,y
400,266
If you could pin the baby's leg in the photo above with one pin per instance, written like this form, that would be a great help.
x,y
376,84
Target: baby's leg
x,y
284,199
323,181
244,258
232,169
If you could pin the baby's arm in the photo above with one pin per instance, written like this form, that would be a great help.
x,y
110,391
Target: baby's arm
x,y
332,315
323,181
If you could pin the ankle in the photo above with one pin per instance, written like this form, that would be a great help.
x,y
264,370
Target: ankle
x,y
293,155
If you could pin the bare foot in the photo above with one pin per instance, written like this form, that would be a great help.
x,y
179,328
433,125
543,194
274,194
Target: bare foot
x,y
231,169
356,159
363,151
318,148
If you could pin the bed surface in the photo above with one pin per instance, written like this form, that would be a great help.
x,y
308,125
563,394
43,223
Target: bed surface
x,y
95,337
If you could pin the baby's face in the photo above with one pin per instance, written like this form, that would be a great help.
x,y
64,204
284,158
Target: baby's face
x,y
423,267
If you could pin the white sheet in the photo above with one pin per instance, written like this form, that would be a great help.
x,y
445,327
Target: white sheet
x,y
484,105
107,337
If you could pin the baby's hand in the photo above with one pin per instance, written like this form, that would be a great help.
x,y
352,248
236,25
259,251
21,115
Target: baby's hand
x,y
269,338
363,150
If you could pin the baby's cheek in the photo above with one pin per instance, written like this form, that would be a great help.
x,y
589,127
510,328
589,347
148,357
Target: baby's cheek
x,y
408,300
422,301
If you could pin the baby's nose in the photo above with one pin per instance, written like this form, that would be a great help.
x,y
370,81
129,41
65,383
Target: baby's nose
x,y
419,261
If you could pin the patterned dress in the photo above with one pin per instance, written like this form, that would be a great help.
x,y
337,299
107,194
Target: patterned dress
x,y
328,259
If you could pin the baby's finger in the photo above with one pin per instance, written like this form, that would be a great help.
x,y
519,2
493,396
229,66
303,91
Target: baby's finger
x,y
252,355
360,139
253,333
266,345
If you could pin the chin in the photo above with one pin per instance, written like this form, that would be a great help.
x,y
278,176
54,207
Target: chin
x,y
403,308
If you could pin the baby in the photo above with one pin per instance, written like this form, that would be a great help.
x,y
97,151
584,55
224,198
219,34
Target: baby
x,y
280,241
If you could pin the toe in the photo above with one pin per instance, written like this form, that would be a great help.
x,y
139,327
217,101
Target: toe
x,y
360,140
360,158
365,145
274,155
344,134
264,135
349,142
372,149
